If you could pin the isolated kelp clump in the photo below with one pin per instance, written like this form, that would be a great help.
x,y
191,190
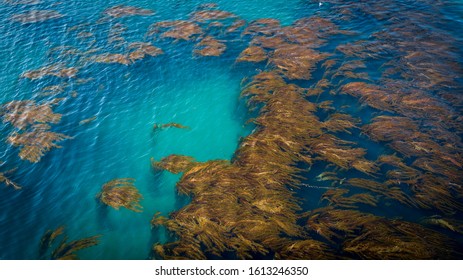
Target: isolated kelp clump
x,y
63,250
36,16
4,178
125,11
32,132
121,193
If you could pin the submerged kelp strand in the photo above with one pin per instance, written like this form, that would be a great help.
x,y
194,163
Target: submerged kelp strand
x,y
121,193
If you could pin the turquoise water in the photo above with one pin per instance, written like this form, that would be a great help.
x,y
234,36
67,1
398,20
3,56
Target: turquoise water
x,y
199,92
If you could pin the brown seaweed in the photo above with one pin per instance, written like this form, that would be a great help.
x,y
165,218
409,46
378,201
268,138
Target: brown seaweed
x,y
140,50
112,58
55,70
174,163
296,61
210,46
36,16
4,178
64,250
22,114
121,193
252,54
87,121
37,141
176,29
336,197
124,11
208,15
370,237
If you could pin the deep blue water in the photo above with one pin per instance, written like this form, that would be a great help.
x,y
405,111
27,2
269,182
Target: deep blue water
x,y
202,93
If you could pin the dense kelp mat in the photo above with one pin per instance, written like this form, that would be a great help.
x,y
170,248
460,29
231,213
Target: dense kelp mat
x,y
314,80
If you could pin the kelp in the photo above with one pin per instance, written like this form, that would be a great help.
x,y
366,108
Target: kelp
x,y
264,26
366,236
124,11
32,134
336,197
210,46
168,125
433,192
109,58
4,178
176,29
174,163
308,249
64,250
35,142
236,26
208,15
24,113
392,192
53,90
252,54
445,223
258,207
296,61
140,50
48,239
22,2
158,220
339,152
121,193
340,122
87,121
405,136
36,16
55,70
401,174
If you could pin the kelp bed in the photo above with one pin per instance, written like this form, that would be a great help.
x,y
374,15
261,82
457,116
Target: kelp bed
x,y
407,74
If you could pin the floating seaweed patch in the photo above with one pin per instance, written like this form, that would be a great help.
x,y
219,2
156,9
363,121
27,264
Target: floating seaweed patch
x,y
56,70
168,125
110,58
236,26
64,250
24,113
139,50
252,54
4,178
265,26
176,29
121,193
87,121
22,2
53,90
125,11
209,46
36,141
32,122
36,16
208,15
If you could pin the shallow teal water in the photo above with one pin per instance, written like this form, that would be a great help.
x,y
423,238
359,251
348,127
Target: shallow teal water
x,y
202,93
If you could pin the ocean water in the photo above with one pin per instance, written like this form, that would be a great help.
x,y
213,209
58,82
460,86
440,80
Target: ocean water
x,y
199,92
